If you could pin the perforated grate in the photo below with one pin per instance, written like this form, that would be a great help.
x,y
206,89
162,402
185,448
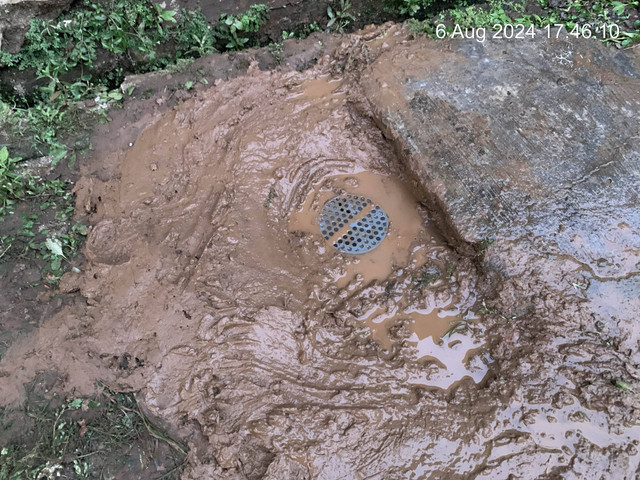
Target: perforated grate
x,y
360,236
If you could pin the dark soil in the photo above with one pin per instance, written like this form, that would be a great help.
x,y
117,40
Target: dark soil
x,y
107,431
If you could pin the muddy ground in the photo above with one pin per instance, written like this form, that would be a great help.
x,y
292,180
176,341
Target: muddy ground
x,y
444,353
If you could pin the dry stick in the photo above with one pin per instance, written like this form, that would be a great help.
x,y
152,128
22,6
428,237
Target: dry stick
x,y
150,428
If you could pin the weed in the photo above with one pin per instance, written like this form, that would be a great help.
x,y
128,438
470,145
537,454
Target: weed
x,y
178,67
54,48
270,196
11,184
484,245
340,18
579,286
277,52
301,31
408,7
236,32
460,326
52,240
428,276
75,44
485,310
451,267
65,55
146,95
16,186
195,38
6,242
388,289
418,27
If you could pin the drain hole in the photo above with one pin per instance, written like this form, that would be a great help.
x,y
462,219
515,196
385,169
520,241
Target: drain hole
x,y
364,235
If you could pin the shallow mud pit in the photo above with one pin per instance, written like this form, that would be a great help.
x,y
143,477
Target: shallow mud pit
x,y
409,291
274,355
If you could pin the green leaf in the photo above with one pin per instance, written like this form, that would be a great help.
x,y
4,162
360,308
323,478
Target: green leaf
x,y
4,154
624,386
167,16
115,95
58,152
76,403
55,247
56,263
618,7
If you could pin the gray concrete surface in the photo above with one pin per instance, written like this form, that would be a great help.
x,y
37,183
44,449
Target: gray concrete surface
x,y
524,139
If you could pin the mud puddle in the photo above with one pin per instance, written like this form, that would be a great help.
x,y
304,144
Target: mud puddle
x,y
407,285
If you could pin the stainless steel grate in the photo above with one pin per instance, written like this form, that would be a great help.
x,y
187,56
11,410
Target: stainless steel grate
x,y
360,236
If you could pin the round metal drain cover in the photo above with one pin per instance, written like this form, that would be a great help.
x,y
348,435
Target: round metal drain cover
x,y
362,235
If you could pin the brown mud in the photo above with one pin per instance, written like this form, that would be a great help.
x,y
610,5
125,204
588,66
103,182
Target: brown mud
x,y
273,355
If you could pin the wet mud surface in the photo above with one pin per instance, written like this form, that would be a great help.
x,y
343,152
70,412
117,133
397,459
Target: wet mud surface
x,y
273,355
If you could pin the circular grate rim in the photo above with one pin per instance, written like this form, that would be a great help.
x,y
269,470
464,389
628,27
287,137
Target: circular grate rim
x,y
364,234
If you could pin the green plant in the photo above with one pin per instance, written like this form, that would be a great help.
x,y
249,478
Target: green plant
x,y
484,246
11,185
460,326
277,52
33,237
74,43
388,289
195,38
428,275
419,27
17,185
270,196
301,31
236,32
73,40
408,7
451,267
340,18
486,310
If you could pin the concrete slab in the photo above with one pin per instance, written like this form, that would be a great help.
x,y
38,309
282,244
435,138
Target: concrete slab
x,y
535,139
